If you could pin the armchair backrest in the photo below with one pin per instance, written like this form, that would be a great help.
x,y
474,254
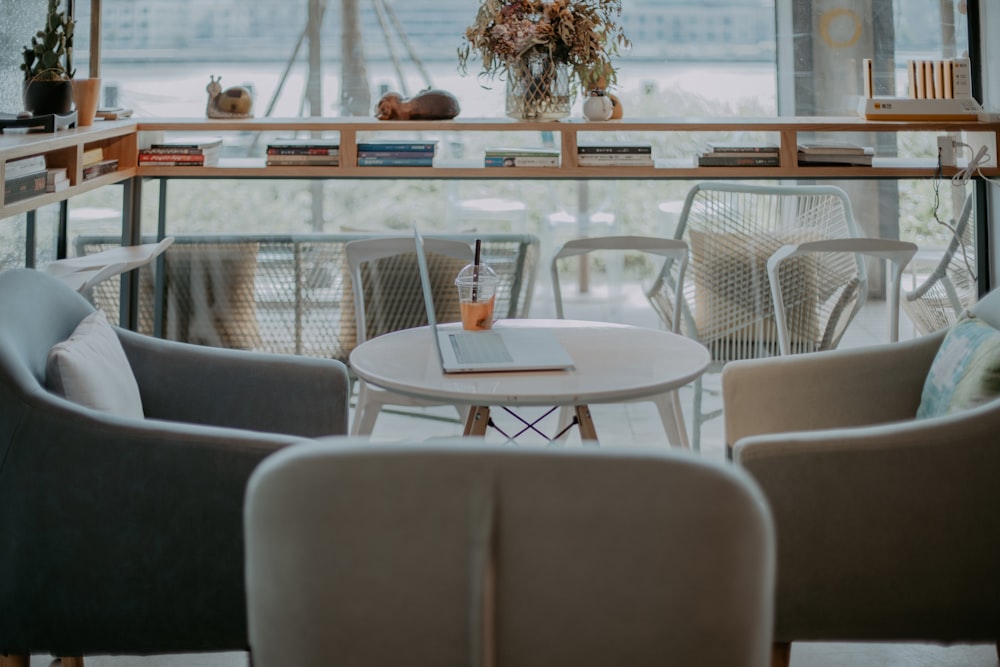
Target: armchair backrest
x,y
38,312
446,553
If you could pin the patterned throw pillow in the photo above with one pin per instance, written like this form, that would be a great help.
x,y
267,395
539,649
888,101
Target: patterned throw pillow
x,y
966,370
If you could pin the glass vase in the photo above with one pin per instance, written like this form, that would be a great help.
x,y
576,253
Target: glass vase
x,y
538,88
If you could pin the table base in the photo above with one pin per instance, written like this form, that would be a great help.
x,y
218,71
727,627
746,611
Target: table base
x,y
478,421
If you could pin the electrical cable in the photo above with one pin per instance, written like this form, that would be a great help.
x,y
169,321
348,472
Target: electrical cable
x,y
960,179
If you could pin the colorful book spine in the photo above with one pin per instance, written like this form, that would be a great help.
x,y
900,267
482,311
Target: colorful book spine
x,y
418,147
749,161
171,157
398,154
521,161
599,160
286,161
174,150
302,150
100,169
394,162
637,149
742,148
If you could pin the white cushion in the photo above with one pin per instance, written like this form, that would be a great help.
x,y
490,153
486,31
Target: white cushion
x,y
90,368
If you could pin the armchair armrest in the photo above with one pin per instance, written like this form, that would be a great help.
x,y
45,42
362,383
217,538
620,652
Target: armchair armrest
x,y
885,532
850,387
141,547
899,253
302,396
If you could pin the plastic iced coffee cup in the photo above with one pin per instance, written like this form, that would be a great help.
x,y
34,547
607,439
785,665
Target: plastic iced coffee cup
x,y
477,289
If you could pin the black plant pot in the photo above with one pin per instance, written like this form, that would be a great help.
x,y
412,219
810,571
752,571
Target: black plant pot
x,y
43,98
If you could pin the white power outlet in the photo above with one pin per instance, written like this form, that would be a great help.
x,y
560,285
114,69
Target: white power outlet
x,y
946,151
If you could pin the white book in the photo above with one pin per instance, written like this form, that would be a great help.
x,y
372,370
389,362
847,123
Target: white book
x,y
614,160
56,175
24,166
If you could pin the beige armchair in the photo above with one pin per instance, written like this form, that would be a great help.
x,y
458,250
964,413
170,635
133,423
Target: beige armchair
x,y
461,553
887,525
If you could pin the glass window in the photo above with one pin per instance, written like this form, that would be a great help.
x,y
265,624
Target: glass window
x,y
724,58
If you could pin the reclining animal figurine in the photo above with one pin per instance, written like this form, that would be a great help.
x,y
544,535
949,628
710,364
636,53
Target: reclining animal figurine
x,y
426,105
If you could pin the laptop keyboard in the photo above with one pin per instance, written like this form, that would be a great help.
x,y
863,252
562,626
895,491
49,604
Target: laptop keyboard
x,y
479,348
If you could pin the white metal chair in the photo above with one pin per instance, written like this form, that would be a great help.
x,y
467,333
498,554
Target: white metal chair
x,y
668,405
733,229
938,301
897,253
387,298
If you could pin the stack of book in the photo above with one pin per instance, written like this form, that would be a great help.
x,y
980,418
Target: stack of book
x,y
303,152
739,155
835,154
24,178
113,113
620,155
56,180
522,157
95,164
392,153
189,152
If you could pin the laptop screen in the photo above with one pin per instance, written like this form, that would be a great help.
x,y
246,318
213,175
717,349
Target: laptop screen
x,y
425,287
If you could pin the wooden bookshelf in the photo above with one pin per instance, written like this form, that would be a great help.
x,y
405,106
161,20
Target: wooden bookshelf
x,y
352,130
64,149
121,140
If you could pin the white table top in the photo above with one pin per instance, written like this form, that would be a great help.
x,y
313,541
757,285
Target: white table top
x,y
613,363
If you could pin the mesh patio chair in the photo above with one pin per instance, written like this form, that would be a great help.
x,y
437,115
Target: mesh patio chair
x,y
388,297
732,230
668,405
951,288
292,295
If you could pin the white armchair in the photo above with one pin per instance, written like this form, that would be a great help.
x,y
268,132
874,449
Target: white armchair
x,y
887,524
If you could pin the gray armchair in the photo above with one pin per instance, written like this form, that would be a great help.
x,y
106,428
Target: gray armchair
x,y
887,525
124,535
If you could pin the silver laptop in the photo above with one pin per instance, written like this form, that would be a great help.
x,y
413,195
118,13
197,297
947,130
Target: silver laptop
x,y
462,351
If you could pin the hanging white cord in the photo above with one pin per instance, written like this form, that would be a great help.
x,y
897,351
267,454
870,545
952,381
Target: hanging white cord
x,y
961,179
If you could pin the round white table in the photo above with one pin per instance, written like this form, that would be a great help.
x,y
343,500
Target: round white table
x,y
613,363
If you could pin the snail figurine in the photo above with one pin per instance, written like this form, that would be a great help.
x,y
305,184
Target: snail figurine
x,y
234,102
428,104
598,106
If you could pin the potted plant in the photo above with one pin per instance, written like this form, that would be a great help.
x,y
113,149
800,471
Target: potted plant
x,y
548,50
48,65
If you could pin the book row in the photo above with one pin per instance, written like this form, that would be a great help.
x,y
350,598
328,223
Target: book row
x,y
28,177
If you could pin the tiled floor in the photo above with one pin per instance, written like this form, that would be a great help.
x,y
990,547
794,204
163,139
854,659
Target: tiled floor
x,y
633,424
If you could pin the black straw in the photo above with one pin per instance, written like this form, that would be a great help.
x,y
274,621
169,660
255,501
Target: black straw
x,y
475,270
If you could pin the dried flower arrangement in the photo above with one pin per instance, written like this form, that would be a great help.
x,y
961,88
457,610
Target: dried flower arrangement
x,y
583,34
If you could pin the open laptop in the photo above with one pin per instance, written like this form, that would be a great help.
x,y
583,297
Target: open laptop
x,y
462,351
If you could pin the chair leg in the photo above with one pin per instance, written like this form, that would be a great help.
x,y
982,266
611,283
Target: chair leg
x,y
365,412
781,654
669,407
698,417
13,660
